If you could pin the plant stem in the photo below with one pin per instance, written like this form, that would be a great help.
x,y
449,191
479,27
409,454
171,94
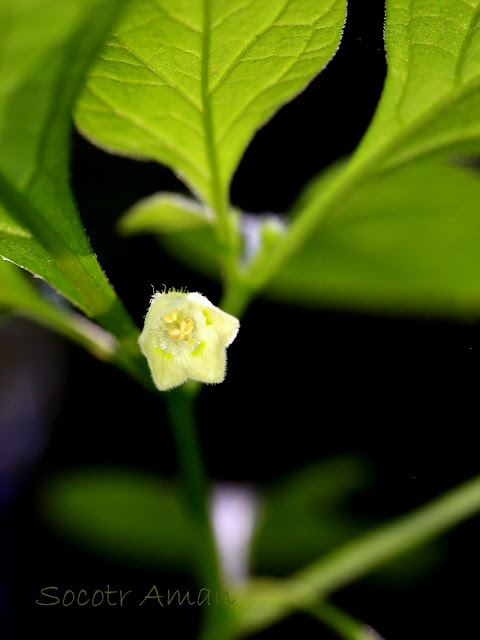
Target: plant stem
x,y
364,554
180,407
236,298
329,197
343,624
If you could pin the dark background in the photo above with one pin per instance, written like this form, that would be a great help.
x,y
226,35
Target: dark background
x,y
402,392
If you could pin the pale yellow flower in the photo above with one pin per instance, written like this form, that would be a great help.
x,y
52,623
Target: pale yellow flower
x,y
185,337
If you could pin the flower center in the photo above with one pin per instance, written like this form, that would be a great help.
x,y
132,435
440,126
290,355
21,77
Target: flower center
x,y
181,328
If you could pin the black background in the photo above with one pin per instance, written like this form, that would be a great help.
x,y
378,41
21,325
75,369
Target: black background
x,y
402,392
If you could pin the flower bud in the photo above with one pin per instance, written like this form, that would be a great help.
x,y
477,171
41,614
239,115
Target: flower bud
x,y
185,337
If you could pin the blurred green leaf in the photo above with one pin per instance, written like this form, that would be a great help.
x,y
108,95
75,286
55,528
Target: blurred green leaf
x,y
307,514
264,601
126,516
46,48
405,242
187,84
19,296
16,291
164,213
310,513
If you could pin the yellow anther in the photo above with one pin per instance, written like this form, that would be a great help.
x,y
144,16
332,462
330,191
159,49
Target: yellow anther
x,y
186,326
170,317
176,334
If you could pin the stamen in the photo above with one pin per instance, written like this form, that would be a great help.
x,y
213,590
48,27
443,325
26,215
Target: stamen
x,y
186,326
170,317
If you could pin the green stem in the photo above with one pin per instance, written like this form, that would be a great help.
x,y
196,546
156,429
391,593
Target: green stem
x,y
341,623
236,298
364,554
333,193
180,407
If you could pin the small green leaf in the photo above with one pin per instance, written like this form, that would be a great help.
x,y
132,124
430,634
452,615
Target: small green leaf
x,y
47,46
164,213
187,84
431,99
125,516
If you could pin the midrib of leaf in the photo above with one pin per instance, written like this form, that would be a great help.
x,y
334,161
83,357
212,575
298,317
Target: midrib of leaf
x,y
42,143
219,191
231,67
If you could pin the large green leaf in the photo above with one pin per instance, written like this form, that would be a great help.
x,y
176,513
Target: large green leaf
x,y
188,83
407,241
127,516
431,98
46,47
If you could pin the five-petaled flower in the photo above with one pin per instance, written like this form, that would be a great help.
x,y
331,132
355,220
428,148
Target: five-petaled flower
x,y
185,337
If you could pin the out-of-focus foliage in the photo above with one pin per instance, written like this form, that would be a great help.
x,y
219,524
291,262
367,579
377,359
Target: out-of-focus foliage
x,y
127,516
19,295
46,50
407,241
137,519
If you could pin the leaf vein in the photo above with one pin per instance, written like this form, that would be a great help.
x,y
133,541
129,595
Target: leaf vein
x,y
466,43
154,70
153,132
174,18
